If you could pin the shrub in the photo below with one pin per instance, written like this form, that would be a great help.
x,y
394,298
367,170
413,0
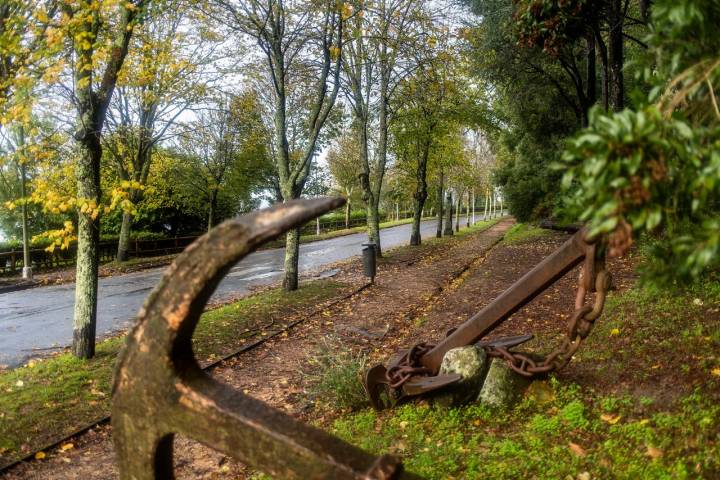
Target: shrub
x,y
336,376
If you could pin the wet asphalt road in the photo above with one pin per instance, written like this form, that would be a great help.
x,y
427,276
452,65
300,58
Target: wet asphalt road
x,y
39,319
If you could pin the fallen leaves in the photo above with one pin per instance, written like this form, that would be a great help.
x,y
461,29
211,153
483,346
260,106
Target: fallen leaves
x,y
614,332
609,418
39,455
715,372
653,452
577,450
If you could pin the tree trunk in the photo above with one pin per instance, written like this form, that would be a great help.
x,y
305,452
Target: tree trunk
x,y
420,195
440,199
27,273
590,78
487,204
467,210
449,219
473,206
124,240
292,255
88,186
458,209
347,213
373,225
605,70
615,54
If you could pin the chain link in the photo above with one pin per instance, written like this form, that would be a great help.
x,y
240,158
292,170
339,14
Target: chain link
x,y
579,327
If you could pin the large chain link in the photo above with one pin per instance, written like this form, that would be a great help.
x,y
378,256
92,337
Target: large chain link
x,y
579,327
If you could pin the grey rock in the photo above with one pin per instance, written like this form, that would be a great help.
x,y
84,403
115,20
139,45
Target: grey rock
x,y
503,387
471,363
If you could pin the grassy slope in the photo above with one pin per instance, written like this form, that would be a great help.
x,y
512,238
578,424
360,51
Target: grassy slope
x,y
48,399
565,430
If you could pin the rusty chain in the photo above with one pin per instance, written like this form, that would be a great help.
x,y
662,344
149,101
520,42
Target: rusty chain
x,y
579,327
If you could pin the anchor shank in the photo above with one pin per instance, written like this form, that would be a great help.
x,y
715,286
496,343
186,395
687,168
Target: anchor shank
x,y
564,259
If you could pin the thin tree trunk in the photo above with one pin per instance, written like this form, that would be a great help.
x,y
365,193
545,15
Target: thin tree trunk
x,y
487,204
373,224
88,186
211,212
27,273
124,240
615,55
467,210
440,200
420,194
292,255
449,212
473,206
458,210
605,70
347,213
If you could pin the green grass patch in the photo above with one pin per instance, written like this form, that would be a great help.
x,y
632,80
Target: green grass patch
x,y
556,432
49,399
522,233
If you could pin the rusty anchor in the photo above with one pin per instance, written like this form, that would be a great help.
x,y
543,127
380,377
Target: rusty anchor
x,y
414,371
160,390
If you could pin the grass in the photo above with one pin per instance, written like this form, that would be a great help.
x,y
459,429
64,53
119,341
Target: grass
x,y
335,376
522,233
48,399
556,432
661,422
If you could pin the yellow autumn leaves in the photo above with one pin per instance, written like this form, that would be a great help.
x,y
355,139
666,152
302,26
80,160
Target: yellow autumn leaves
x,y
60,237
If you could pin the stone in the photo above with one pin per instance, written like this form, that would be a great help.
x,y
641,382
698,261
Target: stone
x,y
502,387
471,363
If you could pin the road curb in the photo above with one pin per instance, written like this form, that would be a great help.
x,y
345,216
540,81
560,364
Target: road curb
x,y
19,286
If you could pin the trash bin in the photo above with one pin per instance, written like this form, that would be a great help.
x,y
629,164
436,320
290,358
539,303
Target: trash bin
x,y
368,259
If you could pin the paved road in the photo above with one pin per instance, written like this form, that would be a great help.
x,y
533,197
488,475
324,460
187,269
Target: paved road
x,y
39,319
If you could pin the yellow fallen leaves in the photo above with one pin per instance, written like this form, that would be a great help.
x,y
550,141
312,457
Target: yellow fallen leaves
x,y
609,418
715,372
614,332
66,447
39,455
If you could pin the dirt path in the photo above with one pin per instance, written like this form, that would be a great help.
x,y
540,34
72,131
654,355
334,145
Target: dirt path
x,y
408,281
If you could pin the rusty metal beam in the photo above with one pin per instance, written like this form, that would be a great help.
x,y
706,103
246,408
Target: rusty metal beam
x,y
160,391
564,259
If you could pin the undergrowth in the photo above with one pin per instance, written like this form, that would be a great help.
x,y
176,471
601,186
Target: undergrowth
x,y
335,376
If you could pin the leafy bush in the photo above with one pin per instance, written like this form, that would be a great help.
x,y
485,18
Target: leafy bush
x,y
656,169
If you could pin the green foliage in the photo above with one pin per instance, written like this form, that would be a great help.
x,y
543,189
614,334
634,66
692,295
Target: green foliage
x,y
656,169
336,376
